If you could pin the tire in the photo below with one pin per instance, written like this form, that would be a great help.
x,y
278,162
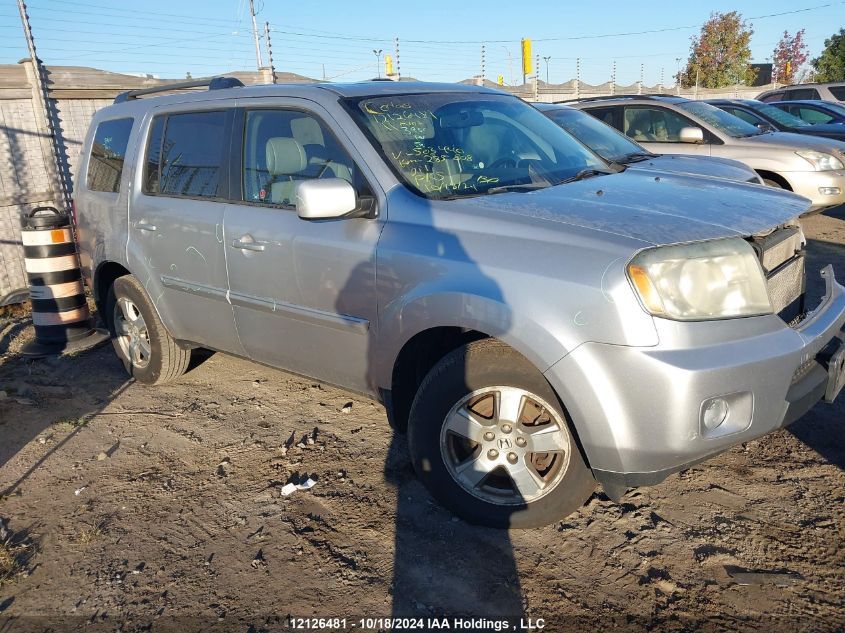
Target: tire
x,y
160,359
772,183
469,384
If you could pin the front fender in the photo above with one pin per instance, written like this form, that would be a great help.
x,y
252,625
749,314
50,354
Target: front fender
x,y
494,318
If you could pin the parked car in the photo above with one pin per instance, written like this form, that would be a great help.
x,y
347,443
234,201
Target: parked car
x,y
815,112
769,118
810,166
536,318
615,147
833,91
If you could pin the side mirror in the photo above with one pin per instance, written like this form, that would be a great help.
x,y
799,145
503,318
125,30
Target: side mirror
x,y
324,198
692,135
765,127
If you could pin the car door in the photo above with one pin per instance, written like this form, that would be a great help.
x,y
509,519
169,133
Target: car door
x,y
175,245
658,129
303,292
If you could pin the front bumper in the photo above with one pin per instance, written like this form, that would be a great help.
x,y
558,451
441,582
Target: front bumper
x,y
638,411
813,184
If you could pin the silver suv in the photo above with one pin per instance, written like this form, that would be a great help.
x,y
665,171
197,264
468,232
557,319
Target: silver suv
x,y
833,91
812,167
536,318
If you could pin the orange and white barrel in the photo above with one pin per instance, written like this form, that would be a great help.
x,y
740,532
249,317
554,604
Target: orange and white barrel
x,y
59,309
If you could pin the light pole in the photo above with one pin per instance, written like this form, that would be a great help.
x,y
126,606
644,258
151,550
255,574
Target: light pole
x,y
678,76
546,59
377,52
510,62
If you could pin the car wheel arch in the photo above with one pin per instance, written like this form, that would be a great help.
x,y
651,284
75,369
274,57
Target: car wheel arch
x,y
419,350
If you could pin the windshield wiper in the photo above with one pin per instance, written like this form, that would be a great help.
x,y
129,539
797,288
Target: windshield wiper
x,y
635,157
526,186
590,172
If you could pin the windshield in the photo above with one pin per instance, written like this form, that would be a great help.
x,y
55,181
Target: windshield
x,y
599,137
721,120
781,116
447,145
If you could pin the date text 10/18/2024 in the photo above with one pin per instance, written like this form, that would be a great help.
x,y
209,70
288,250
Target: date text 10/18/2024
x,y
415,624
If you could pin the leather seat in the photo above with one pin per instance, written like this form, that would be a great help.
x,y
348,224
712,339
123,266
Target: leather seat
x,y
286,160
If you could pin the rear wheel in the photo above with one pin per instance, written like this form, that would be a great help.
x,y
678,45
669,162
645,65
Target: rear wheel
x,y
490,441
147,351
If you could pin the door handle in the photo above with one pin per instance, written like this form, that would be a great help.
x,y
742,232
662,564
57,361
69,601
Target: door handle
x,y
145,226
249,245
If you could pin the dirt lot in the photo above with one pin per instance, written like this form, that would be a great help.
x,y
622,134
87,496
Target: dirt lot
x,y
133,507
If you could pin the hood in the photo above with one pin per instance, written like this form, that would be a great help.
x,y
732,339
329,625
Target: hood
x,y
787,140
657,209
698,166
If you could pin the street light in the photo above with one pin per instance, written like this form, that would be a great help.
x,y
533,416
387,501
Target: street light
x,y
377,53
546,59
678,76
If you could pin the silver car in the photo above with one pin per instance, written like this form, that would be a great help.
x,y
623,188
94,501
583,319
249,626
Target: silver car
x,y
613,146
535,318
811,167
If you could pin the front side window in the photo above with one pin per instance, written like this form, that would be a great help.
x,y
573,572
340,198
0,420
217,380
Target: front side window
x,y
811,115
838,92
719,119
285,147
185,154
654,125
775,96
449,145
105,165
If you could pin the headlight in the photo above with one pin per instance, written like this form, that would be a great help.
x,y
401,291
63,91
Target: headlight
x,y
820,161
708,280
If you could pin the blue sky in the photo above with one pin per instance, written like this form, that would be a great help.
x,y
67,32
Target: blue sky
x,y
438,40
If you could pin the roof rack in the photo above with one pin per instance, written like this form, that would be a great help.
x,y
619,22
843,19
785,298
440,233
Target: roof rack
x,y
215,83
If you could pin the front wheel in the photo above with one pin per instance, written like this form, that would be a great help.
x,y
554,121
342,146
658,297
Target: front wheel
x,y
490,441
147,351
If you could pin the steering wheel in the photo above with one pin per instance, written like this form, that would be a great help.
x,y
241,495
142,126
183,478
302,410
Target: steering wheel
x,y
505,161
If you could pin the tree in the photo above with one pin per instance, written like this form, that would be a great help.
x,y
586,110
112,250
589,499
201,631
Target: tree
x,y
788,57
830,65
720,54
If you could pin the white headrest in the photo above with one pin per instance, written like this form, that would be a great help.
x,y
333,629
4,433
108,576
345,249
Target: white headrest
x,y
285,156
307,131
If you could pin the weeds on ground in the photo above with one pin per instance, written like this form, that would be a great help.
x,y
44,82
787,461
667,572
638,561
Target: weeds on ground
x,y
9,565
71,424
94,532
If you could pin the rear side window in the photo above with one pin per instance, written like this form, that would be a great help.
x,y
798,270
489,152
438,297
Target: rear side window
x,y
185,154
108,151
800,94
775,96
838,92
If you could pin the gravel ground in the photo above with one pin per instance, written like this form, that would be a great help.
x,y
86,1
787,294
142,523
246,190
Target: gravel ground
x,y
155,508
